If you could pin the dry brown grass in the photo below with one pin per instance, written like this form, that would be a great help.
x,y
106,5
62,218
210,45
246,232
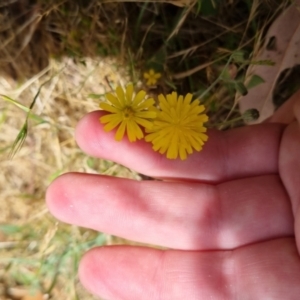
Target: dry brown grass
x,y
48,151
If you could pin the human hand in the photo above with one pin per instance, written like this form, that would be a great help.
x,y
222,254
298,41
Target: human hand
x,y
230,215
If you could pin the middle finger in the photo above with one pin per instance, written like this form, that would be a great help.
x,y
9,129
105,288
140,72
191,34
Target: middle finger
x,y
177,215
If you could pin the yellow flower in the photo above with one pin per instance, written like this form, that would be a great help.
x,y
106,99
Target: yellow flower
x,y
151,77
128,112
178,128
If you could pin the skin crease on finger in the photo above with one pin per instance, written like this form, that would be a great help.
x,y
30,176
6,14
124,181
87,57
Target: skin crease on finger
x,y
267,270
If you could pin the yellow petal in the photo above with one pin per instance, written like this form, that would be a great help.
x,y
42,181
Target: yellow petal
x,y
163,149
152,81
183,142
143,122
182,153
130,131
147,104
137,130
121,96
171,99
149,137
107,107
113,124
109,118
188,98
120,132
129,92
203,118
172,152
138,98
146,114
114,100
179,105
196,144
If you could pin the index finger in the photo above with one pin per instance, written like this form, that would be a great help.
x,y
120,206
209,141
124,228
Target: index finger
x,y
241,152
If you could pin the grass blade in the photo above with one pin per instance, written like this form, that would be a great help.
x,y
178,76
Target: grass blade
x,y
19,141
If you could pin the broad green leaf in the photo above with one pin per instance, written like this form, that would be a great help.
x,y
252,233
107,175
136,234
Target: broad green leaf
x,y
254,81
240,87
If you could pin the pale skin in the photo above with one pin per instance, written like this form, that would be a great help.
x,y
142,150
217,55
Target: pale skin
x,y
229,215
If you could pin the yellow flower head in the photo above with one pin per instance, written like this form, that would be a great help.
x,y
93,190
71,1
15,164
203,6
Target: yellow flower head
x,y
178,128
151,77
128,112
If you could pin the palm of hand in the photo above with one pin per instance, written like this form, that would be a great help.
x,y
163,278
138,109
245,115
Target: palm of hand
x,y
228,213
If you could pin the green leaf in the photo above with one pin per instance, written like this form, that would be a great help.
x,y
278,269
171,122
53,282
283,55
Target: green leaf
x,y
55,175
9,228
240,87
254,81
18,104
19,141
95,96
208,7
225,75
91,162
158,60
238,56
